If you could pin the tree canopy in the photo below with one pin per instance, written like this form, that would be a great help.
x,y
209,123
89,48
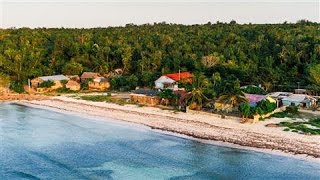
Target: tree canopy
x,y
255,54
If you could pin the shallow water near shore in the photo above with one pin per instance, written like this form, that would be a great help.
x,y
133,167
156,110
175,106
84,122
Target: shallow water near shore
x,y
41,144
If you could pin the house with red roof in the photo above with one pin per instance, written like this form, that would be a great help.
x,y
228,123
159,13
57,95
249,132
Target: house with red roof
x,y
169,81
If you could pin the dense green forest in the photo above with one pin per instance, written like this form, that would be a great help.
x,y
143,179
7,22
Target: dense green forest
x,y
277,56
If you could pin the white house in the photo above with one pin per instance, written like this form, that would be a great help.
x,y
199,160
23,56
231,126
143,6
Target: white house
x,y
169,80
163,81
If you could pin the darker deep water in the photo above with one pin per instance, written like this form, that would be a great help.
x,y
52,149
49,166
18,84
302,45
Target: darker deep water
x,y
40,144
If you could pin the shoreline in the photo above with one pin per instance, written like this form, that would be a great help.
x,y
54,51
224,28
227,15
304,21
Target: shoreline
x,y
303,157
175,124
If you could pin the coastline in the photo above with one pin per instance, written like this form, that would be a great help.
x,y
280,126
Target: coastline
x,y
202,128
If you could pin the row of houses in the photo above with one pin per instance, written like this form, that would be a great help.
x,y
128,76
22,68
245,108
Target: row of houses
x,y
96,82
299,98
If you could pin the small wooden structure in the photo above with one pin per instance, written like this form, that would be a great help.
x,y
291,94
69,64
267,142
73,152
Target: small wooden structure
x,y
73,85
89,76
99,84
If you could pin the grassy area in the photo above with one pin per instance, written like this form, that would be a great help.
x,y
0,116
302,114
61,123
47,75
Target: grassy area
x,y
105,98
309,127
291,112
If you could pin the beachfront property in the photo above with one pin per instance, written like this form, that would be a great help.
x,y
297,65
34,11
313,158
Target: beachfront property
x,y
89,76
74,78
99,84
73,85
299,100
169,81
55,78
254,98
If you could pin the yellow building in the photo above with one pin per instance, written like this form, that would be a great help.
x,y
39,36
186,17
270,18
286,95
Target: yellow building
x,y
99,84
73,85
55,78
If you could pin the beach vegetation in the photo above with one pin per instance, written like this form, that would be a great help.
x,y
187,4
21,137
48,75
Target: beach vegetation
x,y
124,83
16,87
290,111
84,85
105,98
65,90
197,96
168,97
4,80
234,99
244,109
311,127
46,84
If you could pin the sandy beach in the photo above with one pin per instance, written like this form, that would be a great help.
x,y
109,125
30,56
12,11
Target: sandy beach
x,y
194,125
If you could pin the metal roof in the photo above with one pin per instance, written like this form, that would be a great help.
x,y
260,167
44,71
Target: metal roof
x,y
298,98
54,78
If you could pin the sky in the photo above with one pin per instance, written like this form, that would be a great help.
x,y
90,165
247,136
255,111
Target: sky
x,y
104,13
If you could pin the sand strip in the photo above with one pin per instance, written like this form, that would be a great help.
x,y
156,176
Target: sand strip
x,y
197,126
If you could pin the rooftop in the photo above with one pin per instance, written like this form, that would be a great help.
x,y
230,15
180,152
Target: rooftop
x,y
298,98
87,75
54,78
180,76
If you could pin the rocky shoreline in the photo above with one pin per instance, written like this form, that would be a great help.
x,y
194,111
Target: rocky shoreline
x,y
192,125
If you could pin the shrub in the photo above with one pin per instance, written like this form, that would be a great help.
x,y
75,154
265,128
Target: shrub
x,y
280,115
65,90
17,87
292,109
46,84
85,85
64,82
4,80
119,82
263,107
132,81
244,109
98,98
266,106
169,95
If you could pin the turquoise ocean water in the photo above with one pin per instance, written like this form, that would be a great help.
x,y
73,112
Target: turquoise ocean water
x,y
41,144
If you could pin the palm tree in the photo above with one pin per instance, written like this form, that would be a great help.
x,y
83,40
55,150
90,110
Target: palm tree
x,y
234,99
199,85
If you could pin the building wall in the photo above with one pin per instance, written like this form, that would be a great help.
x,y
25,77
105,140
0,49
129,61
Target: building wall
x,y
73,87
159,83
289,103
35,82
143,99
101,86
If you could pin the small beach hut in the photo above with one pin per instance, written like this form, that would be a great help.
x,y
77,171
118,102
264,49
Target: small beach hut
x,y
89,75
299,100
99,83
73,85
